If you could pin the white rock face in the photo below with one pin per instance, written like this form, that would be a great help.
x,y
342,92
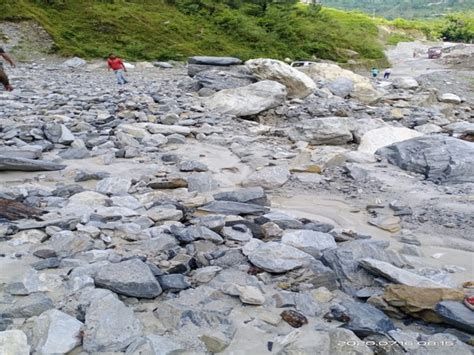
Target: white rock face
x,y
309,241
450,98
298,84
381,137
405,82
363,89
278,257
248,100
14,342
56,332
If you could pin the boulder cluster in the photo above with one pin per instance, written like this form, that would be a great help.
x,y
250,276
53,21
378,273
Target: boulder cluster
x,y
139,219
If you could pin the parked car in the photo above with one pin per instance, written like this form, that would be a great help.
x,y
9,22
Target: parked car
x,y
435,52
301,63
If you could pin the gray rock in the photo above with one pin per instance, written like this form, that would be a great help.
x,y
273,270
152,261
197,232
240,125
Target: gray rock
x,y
109,325
130,278
173,283
322,131
405,82
113,186
361,318
156,345
28,306
201,182
248,100
219,80
237,232
395,274
254,195
234,208
192,233
74,62
219,61
163,65
440,159
49,263
21,164
278,257
344,260
311,242
192,165
456,314
55,332
268,177
67,243
341,87
58,133
14,342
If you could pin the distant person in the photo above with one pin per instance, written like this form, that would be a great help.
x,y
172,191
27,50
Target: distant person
x,y
3,76
118,67
375,72
387,73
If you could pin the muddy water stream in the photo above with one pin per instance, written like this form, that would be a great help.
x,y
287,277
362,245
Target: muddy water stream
x,y
342,215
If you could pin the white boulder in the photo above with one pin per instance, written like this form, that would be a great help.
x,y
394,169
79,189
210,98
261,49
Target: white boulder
x,y
298,84
380,137
248,100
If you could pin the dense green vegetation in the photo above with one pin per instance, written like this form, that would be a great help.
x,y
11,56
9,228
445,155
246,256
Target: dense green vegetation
x,y
175,29
392,9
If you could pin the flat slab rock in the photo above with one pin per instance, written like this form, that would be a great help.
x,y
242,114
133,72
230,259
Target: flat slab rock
x,y
278,257
21,164
396,274
456,314
130,278
206,60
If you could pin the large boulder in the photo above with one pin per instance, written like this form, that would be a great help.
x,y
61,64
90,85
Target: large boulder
x,y
219,80
297,83
322,131
381,137
130,278
248,100
440,159
219,61
363,91
74,62
405,82
21,164
341,87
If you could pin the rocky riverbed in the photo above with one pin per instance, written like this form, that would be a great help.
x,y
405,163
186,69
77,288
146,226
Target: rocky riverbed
x,y
241,209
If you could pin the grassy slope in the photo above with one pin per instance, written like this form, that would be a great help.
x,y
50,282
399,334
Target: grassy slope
x,y
148,30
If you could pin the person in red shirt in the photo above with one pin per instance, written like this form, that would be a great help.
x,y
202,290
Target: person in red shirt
x,y
118,67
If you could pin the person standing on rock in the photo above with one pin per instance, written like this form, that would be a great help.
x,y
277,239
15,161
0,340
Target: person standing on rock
x,y
375,72
387,73
3,76
116,64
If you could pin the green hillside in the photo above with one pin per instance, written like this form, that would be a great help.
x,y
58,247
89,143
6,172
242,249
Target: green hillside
x,y
404,8
175,29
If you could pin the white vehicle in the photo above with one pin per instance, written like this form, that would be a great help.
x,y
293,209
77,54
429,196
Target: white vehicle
x,y
301,63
